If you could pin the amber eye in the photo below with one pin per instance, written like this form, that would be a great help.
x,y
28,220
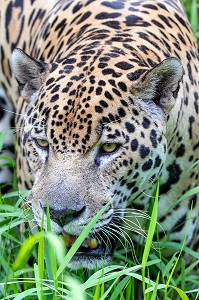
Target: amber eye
x,y
109,147
43,144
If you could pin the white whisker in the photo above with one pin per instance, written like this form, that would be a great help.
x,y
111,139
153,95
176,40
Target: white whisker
x,y
126,238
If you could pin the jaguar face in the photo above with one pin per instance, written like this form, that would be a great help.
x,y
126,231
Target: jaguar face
x,y
85,147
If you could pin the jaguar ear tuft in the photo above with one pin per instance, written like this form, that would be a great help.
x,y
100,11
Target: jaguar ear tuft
x,y
161,84
28,71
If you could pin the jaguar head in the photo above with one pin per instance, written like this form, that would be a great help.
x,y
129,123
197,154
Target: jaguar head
x,y
89,137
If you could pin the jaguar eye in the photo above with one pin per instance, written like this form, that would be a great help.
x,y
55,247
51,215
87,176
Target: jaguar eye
x,y
109,148
41,143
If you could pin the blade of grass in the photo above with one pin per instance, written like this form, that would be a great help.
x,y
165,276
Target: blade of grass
x,y
119,287
25,252
2,139
11,225
38,283
150,235
190,193
180,292
40,267
130,289
50,257
23,294
154,294
194,19
76,292
97,292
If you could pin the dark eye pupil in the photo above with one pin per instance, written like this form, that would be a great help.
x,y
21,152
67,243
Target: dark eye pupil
x,y
109,145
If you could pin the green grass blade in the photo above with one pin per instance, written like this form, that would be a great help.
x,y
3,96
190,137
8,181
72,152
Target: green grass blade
x,y
192,166
154,294
76,292
56,246
11,225
25,294
2,139
41,260
97,292
130,289
190,193
150,235
119,288
38,282
111,286
180,293
25,252
21,194
194,19
51,243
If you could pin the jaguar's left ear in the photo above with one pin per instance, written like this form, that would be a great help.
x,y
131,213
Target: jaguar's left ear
x,y
29,72
161,84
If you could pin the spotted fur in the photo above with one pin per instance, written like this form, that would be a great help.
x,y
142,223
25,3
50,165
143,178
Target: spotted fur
x,y
97,72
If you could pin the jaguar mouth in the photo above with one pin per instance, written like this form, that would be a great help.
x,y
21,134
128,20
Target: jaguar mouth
x,y
91,246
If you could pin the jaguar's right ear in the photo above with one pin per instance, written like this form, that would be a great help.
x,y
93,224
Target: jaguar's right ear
x,y
29,72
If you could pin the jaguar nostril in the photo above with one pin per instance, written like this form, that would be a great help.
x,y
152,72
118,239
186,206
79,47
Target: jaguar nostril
x,y
76,214
63,217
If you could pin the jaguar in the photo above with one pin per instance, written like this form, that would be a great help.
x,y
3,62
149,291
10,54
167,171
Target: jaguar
x,y
106,99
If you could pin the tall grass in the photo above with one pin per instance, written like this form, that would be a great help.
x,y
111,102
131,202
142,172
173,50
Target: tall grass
x,y
33,264
36,267
192,9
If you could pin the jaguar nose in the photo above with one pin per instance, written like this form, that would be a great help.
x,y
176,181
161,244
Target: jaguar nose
x,y
65,216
